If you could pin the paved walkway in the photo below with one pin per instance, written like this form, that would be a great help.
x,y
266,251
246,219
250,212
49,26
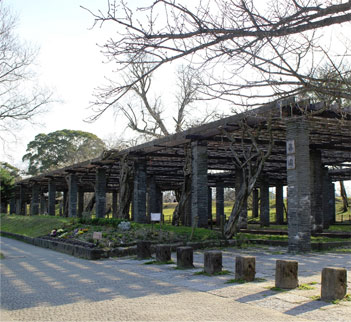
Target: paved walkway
x,y
42,285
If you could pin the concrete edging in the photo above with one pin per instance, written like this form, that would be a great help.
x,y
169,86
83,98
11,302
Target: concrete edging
x,y
95,253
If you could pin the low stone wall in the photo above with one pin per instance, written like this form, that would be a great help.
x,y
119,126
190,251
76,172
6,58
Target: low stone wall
x,y
96,253
74,250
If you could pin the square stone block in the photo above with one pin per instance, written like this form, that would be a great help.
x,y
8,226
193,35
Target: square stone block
x,y
286,274
334,283
245,268
143,249
185,257
212,262
163,253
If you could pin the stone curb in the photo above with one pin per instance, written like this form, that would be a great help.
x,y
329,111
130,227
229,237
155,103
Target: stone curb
x,y
94,254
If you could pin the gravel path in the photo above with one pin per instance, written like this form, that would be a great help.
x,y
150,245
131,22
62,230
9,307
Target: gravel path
x,y
42,285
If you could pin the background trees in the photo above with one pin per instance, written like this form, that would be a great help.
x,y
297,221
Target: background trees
x,y
61,148
20,96
8,176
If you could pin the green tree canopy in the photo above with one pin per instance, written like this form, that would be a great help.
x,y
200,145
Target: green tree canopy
x,y
61,148
8,176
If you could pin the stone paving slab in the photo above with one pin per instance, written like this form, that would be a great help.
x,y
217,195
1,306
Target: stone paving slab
x,y
41,285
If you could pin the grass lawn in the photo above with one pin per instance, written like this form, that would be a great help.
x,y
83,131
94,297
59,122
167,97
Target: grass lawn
x,y
32,226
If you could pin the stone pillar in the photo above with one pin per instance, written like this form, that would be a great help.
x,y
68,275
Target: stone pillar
x,y
114,204
3,206
279,204
155,195
316,173
72,195
139,191
22,202
209,206
18,206
100,192
299,185
242,221
219,202
35,200
65,203
12,206
199,192
255,203
43,208
51,197
327,202
264,209
80,202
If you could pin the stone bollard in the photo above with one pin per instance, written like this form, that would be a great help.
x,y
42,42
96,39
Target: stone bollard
x,y
286,273
163,253
185,257
245,268
334,283
212,262
143,249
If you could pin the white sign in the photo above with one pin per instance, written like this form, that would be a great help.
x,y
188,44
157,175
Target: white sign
x,y
290,162
97,235
290,146
155,216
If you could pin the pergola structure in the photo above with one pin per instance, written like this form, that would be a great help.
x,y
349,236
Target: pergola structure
x,y
311,150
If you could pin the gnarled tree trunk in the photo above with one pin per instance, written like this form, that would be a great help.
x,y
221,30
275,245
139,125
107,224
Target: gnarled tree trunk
x,y
126,189
180,214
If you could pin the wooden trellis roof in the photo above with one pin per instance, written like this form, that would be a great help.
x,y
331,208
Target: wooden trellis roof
x,y
330,133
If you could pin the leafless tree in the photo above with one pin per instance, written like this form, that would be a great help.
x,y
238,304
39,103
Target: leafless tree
x,y
251,52
265,50
145,113
20,98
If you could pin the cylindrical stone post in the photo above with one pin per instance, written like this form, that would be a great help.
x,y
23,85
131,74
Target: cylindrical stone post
x,y
219,202
279,204
299,185
12,206
100,192
199,183
316,191
72,195
139,192
255,203
245,268
212,262
80,202
185,257
286,274
209,200
114,204
22,202
334,283
143,249
163,253
35,200
264,209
